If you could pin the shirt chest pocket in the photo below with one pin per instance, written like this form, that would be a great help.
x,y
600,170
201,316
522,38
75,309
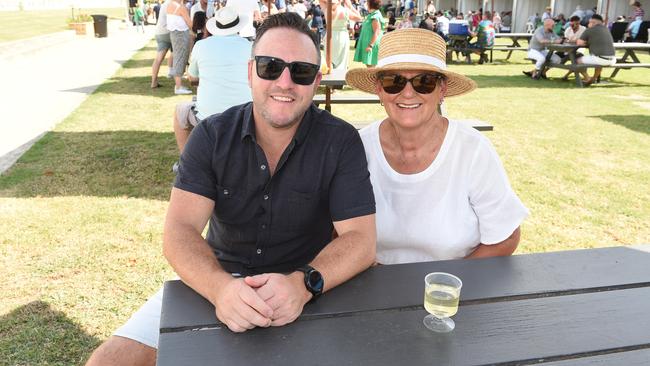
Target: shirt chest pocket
x,y
231,206
300,211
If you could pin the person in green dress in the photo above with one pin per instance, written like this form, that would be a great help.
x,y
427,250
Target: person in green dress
x,y
371,32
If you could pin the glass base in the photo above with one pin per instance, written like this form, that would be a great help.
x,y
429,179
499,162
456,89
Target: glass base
x,y
440,325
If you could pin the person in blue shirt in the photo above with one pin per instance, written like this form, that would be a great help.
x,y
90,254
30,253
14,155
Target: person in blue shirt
x,y
220,63
633,28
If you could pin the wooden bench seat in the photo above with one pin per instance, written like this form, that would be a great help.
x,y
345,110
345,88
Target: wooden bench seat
x,y
347,99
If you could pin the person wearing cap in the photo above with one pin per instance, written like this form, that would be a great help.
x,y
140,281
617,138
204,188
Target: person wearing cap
x,y
274,178
440,189
600,42
220,65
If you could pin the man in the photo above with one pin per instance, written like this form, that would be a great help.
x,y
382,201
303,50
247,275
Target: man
x,y
427,23
202,5
164,44
537,51
274,178
299,8
484,37
251,9
601,48
220,65
574,30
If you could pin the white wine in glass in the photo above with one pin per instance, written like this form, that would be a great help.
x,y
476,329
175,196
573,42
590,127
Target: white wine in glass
x,y
441,297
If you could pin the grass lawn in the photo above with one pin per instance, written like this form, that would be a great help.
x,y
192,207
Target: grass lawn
x,y
81,213
30,23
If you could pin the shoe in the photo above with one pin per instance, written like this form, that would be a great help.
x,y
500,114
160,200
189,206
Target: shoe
x,y
158,85
528,73
543,75
536,75
182,91
175,168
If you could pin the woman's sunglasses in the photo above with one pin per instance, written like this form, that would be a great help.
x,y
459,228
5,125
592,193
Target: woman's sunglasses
x,y
422,83
270,68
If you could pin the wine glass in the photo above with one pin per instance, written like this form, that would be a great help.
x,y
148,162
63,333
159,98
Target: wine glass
x,y
441,296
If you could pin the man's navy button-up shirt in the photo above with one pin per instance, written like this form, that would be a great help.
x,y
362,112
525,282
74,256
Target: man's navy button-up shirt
x,y
263,223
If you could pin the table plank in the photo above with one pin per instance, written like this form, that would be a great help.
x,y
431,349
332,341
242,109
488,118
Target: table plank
x,y
631,358
485,280
521,332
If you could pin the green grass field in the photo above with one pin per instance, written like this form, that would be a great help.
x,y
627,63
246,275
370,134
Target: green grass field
x,y
30,23
81,213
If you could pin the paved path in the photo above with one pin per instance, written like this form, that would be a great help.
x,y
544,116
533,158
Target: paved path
x,y
47,83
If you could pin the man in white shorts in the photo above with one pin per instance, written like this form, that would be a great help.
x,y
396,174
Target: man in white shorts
x,y
220,64
601,48
537,48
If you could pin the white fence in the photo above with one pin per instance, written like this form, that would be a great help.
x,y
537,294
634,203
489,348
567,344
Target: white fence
x,y
6,5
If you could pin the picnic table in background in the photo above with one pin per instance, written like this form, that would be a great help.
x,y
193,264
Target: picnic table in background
x,y
628,61
515,46
562,308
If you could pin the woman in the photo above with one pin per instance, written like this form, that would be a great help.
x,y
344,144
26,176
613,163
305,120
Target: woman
x,y
440,189
371,31
199,29
341,14
178,24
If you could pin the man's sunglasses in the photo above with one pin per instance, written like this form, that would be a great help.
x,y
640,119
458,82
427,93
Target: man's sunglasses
x,y
422,83
270,68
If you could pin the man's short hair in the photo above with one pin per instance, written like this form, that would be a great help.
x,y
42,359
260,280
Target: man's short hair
x,y
286,20
597,17
637,4
574,18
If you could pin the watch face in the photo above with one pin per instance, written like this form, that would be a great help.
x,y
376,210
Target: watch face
x,y
316,281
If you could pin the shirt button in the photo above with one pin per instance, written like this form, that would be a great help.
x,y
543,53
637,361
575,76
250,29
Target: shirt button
x,y
263,226
263,167
226,192
266,197
259,251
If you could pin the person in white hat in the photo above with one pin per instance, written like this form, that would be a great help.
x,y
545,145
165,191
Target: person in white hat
x,y
220,62
440,189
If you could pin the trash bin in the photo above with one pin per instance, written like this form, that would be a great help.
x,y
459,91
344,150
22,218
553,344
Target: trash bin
x,y
100,24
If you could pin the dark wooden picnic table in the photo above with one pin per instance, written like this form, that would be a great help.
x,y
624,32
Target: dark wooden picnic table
x,y
579,307
630,59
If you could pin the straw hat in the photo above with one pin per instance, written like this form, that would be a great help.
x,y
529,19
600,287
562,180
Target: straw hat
x,y
410,49
226,21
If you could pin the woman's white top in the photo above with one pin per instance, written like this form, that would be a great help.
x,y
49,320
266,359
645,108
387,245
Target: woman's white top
x,y
461,200
175,22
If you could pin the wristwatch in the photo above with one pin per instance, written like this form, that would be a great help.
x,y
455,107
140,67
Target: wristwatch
x,y
313,281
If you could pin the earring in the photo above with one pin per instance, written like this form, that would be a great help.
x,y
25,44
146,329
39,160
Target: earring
x,y
382,103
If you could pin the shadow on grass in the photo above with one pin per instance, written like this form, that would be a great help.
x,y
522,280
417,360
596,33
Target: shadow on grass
x,y
36,334
135,85
634,122
142,63
105,164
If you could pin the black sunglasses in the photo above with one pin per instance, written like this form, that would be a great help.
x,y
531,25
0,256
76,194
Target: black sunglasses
x,y
270,68
422,83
